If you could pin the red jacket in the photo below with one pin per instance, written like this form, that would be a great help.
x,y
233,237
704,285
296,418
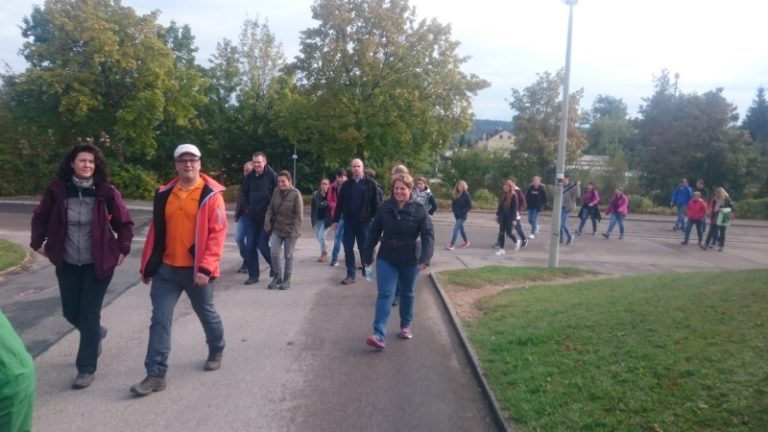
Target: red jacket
x,y
210,230
697,209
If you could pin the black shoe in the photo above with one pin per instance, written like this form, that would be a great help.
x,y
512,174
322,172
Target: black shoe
x,y
214,361
275,284
525,242
683,242
349,280
82,381
251,281
606,235
148,385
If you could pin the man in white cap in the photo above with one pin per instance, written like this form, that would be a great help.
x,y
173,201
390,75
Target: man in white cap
x,y
182,254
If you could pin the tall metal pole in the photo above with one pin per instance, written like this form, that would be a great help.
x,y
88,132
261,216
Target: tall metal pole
x,y
557,211
295,158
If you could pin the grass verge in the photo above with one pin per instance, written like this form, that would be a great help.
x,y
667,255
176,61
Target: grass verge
x,y
670,352
11,254
496,275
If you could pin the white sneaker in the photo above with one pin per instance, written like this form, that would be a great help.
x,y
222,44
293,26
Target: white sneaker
x,y
500,252
518,243
532,236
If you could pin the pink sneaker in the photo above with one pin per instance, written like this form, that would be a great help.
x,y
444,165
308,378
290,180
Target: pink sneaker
x,y
405,333
450,246
376,342
466,244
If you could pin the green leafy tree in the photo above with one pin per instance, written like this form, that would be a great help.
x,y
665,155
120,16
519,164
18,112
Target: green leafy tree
x,y
610,132
377,83
538,110
756,121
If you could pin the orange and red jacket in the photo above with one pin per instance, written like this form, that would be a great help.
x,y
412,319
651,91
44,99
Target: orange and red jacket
x,y
696,210
210,230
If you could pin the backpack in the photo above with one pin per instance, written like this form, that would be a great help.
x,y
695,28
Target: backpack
x,y
520,199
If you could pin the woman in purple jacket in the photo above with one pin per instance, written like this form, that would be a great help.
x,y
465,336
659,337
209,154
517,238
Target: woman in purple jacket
x,y
83,227
589,209
617,209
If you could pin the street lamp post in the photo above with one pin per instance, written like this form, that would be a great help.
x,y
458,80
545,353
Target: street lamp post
x,y
295,158
557,211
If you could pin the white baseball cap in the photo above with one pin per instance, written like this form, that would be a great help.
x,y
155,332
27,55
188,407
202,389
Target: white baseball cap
x,y
186,148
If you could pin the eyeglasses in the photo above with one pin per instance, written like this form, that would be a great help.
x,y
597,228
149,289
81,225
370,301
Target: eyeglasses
x,y
187,161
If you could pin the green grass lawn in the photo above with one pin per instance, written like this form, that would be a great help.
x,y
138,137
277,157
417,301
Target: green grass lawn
x,y
671,352
11,254
477,278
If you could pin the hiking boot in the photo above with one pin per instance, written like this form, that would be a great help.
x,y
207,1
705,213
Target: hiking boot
x,y
251,281
349,280
376,342
214,361
405,333
148,385
286,284
323,257
275,284
82,381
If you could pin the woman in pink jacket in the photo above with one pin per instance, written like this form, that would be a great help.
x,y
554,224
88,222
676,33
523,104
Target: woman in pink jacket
x,y
617,209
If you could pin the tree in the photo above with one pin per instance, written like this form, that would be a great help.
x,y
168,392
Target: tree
x,y
609,132
378,84
756,121
538,110
105,72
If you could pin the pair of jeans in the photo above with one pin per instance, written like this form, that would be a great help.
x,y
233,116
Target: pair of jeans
x,y
82,296
388,278
321,229
616,218
681,211
716,235
354,230
584,214
257,241
282,246
458,228
167,286
564,226
337,240
241,236
533,219
699,229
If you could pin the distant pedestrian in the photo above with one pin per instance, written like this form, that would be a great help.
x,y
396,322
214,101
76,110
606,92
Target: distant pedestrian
x,y
696,212
460,205
571,193
398,223
706,197
17,381
589,208
520,207
617,209
320,217
242,221
423,196
283,221
506,216
87,231
182,253
359,199
721,211
680,197
536,198
333,198
257,189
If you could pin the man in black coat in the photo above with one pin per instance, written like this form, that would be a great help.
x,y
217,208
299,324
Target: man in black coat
x,y
256,193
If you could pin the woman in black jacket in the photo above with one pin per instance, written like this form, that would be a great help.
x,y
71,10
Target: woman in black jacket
x,y
398,223
506,215
461,205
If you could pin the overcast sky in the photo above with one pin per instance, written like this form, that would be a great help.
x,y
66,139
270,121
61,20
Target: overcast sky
x,y
618,45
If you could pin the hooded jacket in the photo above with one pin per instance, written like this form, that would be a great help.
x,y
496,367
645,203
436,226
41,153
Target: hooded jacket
x,y
210,230
112,226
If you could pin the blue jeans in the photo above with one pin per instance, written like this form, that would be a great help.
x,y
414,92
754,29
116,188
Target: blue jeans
x,y
354,230
320,231
589,213
241,235
564,226
388,277
699,229
533,219
337,240
82,296
616,218
257,241
680,221
458,228
167,286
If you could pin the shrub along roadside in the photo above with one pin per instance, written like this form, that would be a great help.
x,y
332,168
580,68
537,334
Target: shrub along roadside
x,y
677,351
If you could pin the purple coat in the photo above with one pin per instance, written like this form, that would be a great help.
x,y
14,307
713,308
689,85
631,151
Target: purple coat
x,y
112,226
618,205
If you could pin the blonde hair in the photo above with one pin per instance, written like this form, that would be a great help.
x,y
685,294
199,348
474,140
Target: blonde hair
x,y
721,194
460,187
399,169
405,178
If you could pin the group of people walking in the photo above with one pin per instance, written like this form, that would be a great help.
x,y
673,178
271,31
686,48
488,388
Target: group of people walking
x,y
696,208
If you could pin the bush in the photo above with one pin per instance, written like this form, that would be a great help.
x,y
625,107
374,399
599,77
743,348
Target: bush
x,y
231,193
640,204
482,198
752,209
134,182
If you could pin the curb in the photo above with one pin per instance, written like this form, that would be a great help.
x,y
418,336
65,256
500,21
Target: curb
x,y
469,352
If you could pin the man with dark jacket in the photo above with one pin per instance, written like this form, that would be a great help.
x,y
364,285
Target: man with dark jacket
x,y
256,192
358,201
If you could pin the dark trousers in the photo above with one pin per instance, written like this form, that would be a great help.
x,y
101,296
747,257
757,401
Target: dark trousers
x,y
257,241
354,231
82,296
716,235
505,228
699,224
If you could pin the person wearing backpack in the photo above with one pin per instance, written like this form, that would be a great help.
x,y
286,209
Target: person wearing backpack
x,y
721,212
